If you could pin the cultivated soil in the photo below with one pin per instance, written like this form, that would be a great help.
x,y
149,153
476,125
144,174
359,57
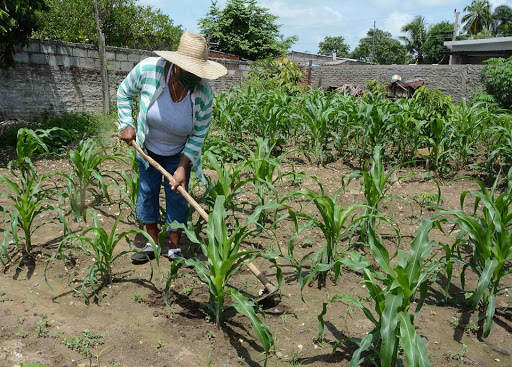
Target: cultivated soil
x,y
139,329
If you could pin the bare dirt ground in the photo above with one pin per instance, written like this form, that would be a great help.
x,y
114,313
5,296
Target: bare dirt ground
x,y
139,329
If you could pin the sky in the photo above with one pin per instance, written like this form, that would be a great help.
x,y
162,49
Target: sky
x,y
312,21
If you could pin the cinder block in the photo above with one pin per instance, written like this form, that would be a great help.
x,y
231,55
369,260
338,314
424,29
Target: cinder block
x,y
69,61
93,54
110,55
121,56
64,50
21,57
135,57
48,48
33,46
52,60
79,52
86,62
127,66
38,59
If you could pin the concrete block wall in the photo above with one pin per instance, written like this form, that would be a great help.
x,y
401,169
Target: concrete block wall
x,y
65,77
456,80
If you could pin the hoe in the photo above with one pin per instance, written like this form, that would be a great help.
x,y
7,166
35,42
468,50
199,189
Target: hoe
x,y
270,290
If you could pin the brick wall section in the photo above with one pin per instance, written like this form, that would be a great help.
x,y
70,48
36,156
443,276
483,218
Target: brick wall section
x,y
456,80
64,77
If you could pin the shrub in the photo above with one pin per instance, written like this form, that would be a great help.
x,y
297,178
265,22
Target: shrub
x,y
496,77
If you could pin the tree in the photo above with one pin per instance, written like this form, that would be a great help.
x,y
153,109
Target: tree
x,y
334,44
18,19
245,29
379,46
478,17
502,20
433,47
496,77
416,36
124,24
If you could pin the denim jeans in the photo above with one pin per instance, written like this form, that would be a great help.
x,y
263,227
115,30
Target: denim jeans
x,y
148,204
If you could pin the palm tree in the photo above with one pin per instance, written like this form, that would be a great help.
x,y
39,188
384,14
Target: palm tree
x,y
478,18
417,35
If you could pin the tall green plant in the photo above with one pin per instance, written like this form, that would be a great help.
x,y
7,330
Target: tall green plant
x,y
224,259
101,245
86,175
28,196
392,288
489,232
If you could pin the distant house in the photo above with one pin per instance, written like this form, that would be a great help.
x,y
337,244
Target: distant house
x,y
479,50
404,89
304,58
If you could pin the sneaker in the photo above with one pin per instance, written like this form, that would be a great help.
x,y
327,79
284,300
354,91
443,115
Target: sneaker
x,y
144,256
172,256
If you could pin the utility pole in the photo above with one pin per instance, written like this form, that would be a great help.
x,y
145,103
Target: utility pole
x,y
455,29
103,66
373,40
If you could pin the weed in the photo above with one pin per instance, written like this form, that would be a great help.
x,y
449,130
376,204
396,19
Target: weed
x,y
42,326
460,355
22,333
138,298
159,344
20,318
83,342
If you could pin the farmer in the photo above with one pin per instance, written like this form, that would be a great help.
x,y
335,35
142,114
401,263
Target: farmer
x,y
175,110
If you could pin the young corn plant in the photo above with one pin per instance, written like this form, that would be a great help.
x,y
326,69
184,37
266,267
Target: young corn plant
x,y
332,220
101,246
28,196
229,182
130,192
264,172
392,290
224,259
86,175
489,232
376,183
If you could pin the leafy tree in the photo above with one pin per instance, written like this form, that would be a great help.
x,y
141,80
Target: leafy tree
x,y
18,19
334,44
245,29
386,49
434,48
124,24
478,17
502,20
416,36
496,77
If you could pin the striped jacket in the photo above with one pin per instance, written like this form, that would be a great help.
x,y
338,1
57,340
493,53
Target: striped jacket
x,y
148,80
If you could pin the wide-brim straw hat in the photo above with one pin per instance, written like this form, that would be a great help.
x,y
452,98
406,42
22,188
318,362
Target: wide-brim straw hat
x,y
192,56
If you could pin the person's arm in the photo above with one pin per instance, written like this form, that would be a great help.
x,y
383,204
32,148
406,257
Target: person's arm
x,y
128,89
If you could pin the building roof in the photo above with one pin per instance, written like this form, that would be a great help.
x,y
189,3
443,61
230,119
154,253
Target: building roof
x,y
486,44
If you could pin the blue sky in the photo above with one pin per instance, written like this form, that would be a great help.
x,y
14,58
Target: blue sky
x,y
311,21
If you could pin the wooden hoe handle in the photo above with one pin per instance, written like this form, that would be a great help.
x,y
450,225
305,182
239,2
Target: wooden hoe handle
x,y
269,287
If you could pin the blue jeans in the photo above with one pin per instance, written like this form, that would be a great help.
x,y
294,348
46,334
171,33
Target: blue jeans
x,y
148,204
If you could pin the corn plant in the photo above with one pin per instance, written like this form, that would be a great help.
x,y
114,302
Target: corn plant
x,y
264,171
224,259
229,182
332,222
28,196
392,290
130,192
100,245
376,183
489,233
85,175
317,117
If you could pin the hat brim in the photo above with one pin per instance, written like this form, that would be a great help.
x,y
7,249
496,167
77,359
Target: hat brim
x,y
202,68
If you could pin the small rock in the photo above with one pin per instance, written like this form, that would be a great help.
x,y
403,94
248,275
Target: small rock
x,y
155,313
299,346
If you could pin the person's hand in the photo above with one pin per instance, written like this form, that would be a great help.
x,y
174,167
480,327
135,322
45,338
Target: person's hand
x,y
180,178
128,134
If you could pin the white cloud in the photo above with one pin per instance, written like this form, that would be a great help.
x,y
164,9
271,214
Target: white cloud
x,y
395,21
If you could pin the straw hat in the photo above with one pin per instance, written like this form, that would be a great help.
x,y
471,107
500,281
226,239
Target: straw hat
x,y
192,57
